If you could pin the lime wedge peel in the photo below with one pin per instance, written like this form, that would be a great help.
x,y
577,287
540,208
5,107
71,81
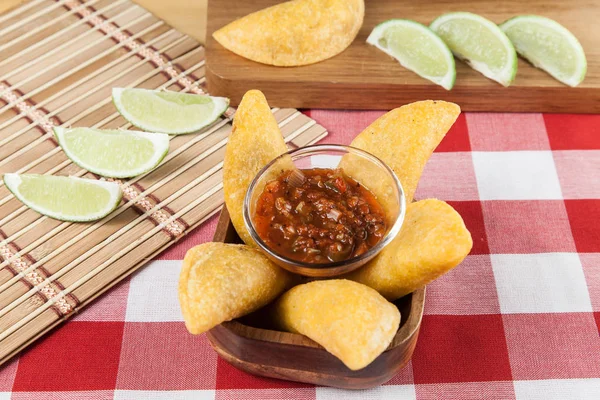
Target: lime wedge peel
x,y
166,111
416,48
497,60
549,46
65,198
113,153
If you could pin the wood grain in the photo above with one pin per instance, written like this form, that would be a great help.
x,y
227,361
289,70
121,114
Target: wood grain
x,y
6,5
362,77
249,344
187,16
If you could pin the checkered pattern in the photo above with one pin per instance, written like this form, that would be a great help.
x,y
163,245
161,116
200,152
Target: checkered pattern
x,y
519,319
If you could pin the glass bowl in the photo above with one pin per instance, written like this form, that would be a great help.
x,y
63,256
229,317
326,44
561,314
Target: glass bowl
x,y
361,166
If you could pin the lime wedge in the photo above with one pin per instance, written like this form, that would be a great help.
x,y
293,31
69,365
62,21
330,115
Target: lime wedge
x,y
113,153
480,43
549,46
65,198
416,48
168,112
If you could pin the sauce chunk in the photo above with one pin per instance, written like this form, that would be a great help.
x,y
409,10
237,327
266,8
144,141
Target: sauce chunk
x,y
318,216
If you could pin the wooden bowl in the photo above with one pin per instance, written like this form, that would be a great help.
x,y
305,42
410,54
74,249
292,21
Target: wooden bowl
x,y
249,345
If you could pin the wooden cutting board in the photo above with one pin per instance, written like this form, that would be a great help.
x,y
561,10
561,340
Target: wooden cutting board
x,y
60,60
363,77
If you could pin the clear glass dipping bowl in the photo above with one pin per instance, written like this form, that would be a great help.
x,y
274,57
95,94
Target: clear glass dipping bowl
x,y
363,167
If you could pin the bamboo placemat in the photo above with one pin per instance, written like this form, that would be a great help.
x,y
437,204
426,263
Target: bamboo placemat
x,y
59,61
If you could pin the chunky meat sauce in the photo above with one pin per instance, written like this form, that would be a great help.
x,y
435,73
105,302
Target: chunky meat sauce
x,y
324,216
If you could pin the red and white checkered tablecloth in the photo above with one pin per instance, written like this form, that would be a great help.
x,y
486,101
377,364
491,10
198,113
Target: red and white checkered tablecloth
x,y
519,319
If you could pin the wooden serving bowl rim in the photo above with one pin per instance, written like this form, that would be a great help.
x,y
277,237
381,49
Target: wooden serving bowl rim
x,y
407,329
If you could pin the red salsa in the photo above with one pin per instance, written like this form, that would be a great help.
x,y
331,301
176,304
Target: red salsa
x,y
320,217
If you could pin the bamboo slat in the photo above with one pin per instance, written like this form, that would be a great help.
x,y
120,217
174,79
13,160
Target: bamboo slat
x,y
62,59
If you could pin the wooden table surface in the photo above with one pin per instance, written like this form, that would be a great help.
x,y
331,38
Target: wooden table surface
x,y
188,16
384,84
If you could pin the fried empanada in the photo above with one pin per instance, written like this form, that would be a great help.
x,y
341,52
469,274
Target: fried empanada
x,y
432,241
220,282
297,32
404,139
255,140
351,321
